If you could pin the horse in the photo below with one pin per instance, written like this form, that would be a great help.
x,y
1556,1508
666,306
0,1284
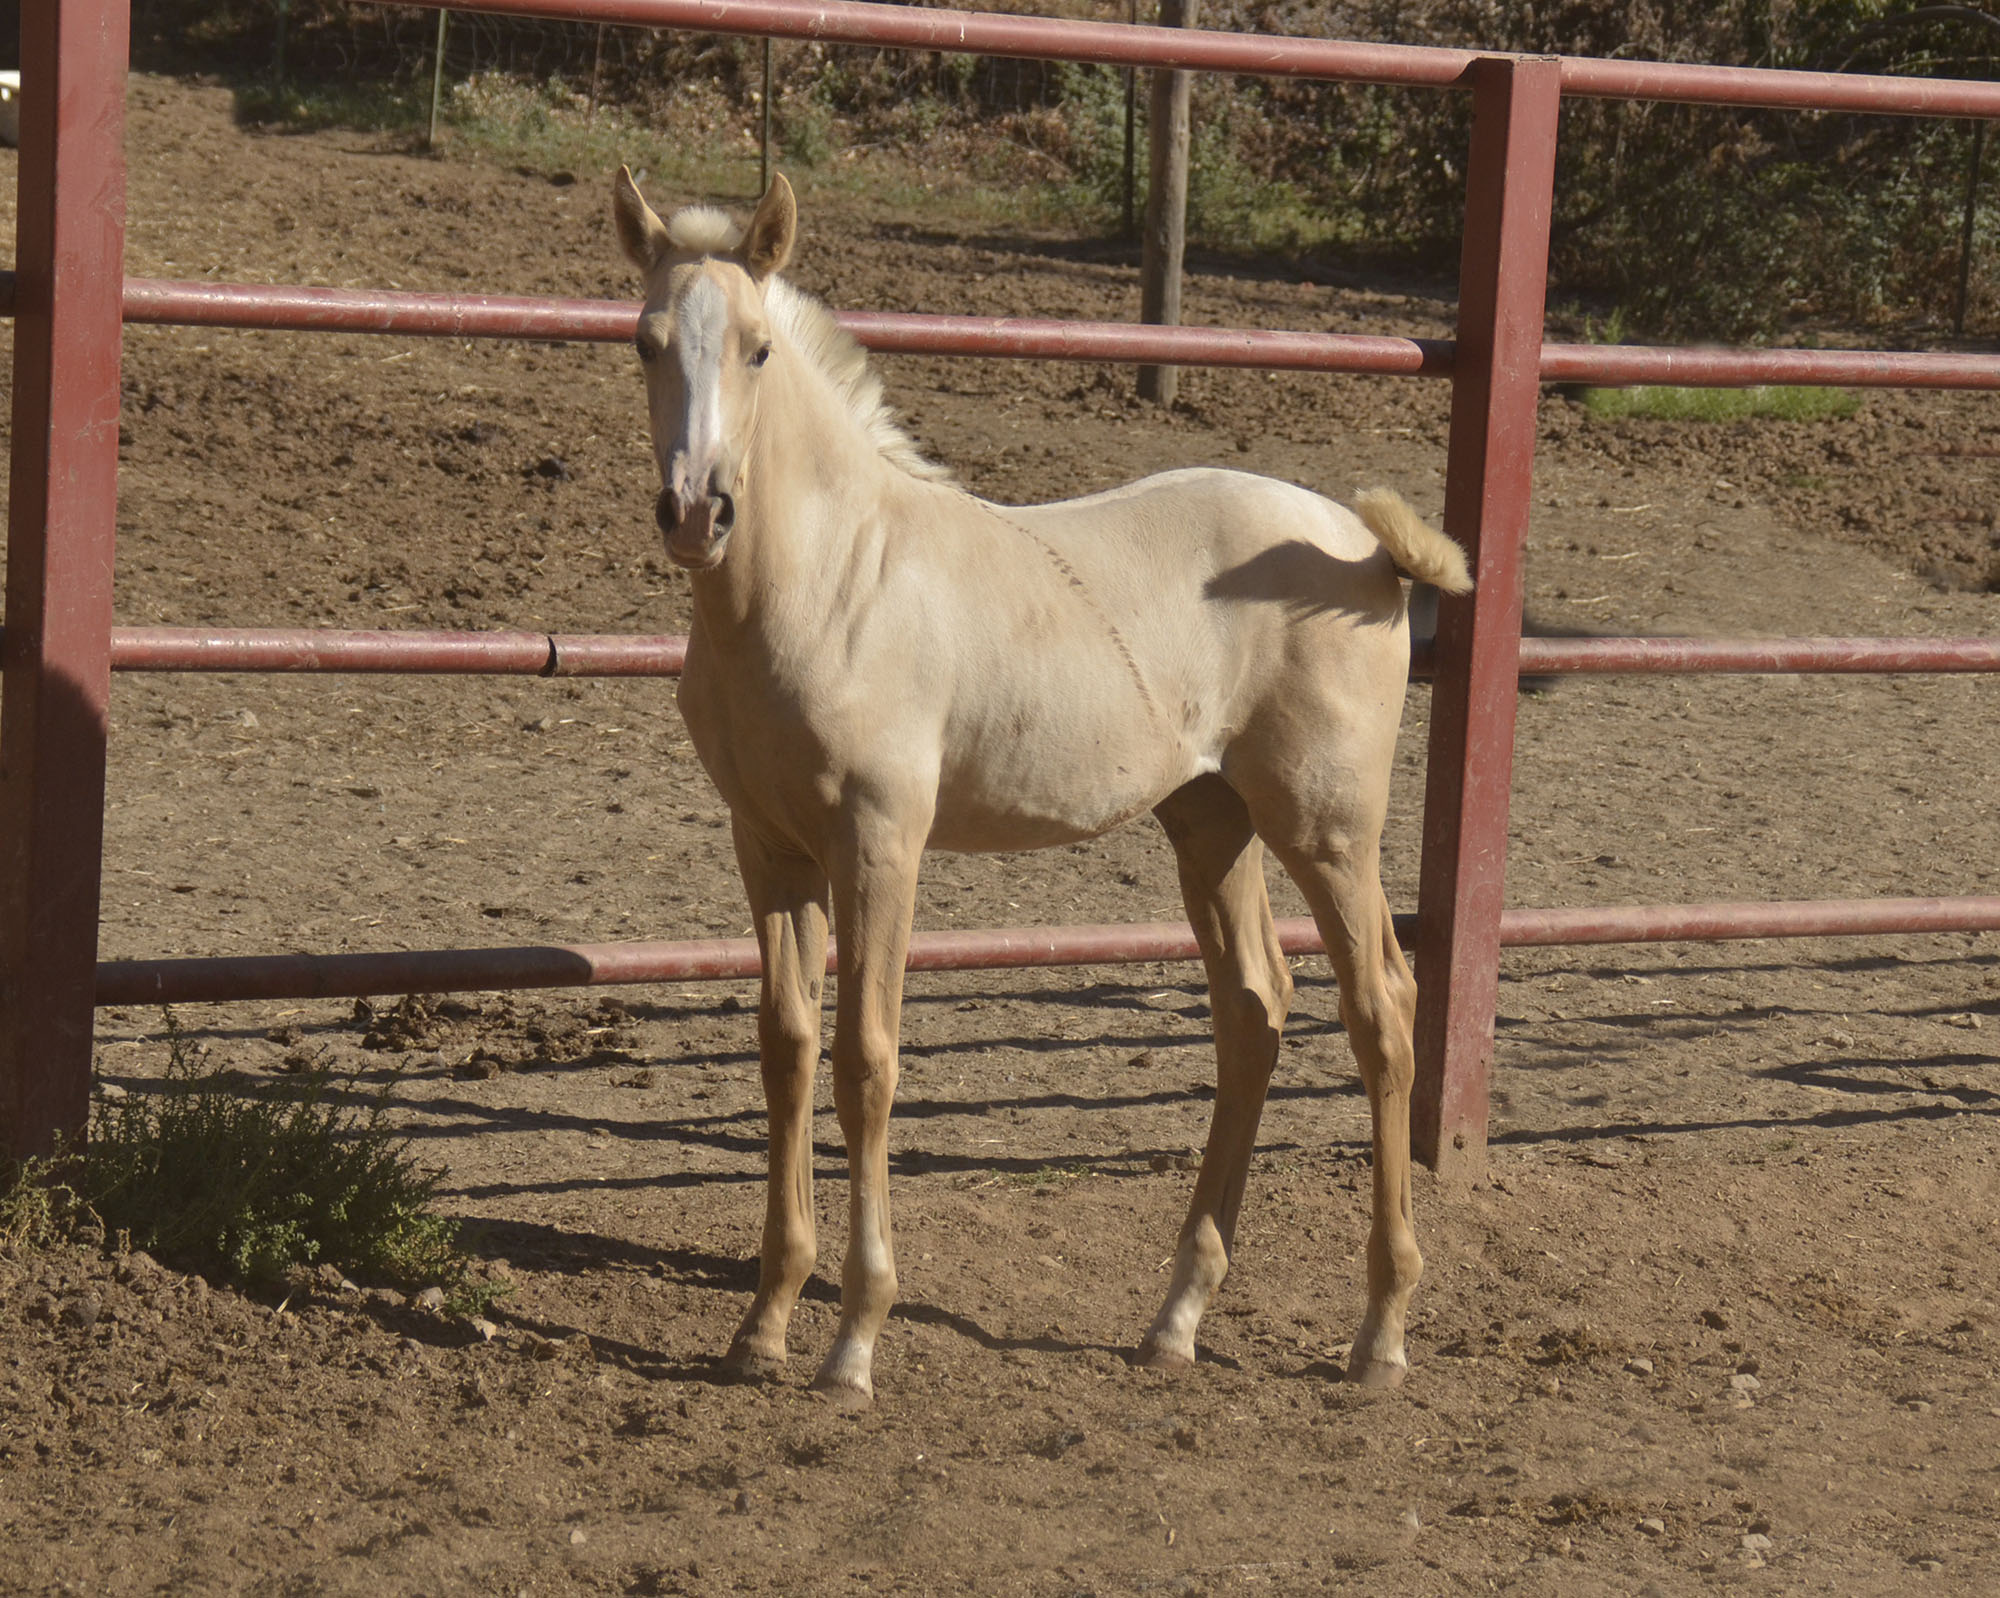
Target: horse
x,y
880,664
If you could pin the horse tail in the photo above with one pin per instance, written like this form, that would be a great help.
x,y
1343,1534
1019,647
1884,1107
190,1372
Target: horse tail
x,y
1418,550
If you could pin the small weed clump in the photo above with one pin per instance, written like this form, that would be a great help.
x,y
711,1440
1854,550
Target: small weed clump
x,y
1762,403
229,1177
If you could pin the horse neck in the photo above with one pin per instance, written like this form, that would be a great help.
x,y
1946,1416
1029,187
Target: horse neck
x,y
812,481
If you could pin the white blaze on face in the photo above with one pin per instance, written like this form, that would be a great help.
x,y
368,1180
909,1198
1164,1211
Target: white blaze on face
x,y
701,323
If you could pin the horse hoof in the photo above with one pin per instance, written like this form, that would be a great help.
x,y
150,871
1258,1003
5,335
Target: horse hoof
x,y
1378,1373
753,1365
1154,1356
843,1397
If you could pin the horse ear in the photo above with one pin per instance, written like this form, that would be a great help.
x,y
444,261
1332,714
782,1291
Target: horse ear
x,y
643,235
773,230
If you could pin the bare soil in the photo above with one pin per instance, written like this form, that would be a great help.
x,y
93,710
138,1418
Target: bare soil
x,y
1722,1312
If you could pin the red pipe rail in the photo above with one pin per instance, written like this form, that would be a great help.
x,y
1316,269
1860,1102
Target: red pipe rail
x,y
58,647
353,976
414,653
165,302
1261,55
410,652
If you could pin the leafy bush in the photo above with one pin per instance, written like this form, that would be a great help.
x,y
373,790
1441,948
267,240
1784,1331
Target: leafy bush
x,y
252,1180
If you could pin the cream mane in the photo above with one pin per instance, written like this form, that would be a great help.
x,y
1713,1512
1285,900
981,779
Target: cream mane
x,y
810,328
703,230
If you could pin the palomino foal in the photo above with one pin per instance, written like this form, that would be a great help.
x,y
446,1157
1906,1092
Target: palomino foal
x,y
881,664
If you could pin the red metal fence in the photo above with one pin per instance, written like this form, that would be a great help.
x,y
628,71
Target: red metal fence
x,y
69,297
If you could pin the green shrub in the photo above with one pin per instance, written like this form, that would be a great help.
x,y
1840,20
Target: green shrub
x,y
220,1174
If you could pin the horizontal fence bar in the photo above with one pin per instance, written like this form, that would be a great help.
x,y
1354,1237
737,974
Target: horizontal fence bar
x,y
166,649
276,307
1026,338
1018,37
342,976
1636,365
289,649
294,308
609,655
1777,89
1714,923
1259,55
1541,656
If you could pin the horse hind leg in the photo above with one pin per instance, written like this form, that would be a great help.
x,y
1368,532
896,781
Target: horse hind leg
x,y
1222,881
1378,1000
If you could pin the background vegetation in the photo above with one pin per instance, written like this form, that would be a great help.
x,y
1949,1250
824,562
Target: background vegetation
x,y
1691,222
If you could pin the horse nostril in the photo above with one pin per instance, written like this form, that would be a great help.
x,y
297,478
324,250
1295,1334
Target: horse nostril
x,y
725,512
664,514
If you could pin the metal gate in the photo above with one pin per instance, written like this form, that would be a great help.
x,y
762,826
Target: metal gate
x,y
69,297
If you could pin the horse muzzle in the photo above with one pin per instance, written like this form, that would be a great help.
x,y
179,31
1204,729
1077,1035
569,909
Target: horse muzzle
x,y
696,531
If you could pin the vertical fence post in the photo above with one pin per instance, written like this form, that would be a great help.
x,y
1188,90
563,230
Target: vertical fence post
x,y
1966,226
1495,385
1131,218
1165,240
764,128
55,665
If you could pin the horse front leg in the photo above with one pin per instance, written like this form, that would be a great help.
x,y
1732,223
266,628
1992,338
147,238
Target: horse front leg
x,y
788,894
874,890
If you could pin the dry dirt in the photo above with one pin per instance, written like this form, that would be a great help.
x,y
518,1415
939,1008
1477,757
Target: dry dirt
x,y
1724,1311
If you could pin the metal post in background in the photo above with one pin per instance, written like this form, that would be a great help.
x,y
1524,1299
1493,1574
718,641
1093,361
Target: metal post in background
x,y
1495,386
764,140
1965,230
1131,219
437,81
55,665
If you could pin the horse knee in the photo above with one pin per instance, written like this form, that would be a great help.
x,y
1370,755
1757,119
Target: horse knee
x,y
864,1081
788,1023
1254,1007
1378,1028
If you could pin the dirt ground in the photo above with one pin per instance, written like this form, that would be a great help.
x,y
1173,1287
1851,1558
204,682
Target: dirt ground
x,y
1723,1312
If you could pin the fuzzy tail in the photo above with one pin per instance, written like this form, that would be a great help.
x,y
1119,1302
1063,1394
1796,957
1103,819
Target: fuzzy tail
x,y
1419,551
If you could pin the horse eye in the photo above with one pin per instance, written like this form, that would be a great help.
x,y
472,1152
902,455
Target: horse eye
x,y
763,354
647,352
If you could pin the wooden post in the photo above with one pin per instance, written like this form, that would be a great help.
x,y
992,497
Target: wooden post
x,y
1495,385
55,667
1165,238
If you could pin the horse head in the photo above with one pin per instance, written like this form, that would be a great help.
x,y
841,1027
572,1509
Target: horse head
x,y
704,341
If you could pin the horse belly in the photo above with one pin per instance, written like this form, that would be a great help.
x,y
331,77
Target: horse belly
x,y
1021,791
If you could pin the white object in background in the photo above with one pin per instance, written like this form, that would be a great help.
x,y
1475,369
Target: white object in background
x,y
10,108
